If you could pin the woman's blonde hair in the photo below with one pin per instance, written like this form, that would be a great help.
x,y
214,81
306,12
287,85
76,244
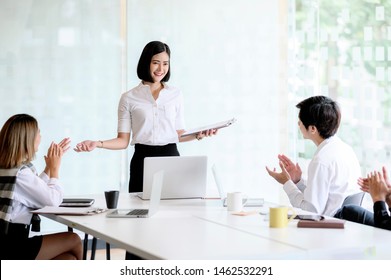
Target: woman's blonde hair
x,y
17,139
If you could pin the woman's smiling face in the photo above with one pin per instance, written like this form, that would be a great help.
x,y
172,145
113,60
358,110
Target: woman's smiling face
x,y
159,66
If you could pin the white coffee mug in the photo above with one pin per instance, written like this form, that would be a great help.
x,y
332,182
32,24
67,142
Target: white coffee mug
x,y
235,201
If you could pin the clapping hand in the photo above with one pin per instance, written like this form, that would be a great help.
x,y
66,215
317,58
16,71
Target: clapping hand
x,y
54,155
364,182
378,185
53,160
281,177
294,170
65,144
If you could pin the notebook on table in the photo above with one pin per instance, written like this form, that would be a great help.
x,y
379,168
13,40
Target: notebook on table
x,y
184,176
77,202
249,202
324,223
153,202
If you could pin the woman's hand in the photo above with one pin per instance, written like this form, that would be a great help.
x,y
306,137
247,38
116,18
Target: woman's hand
x,y
53,160
65,144
86,146
198,136
206,133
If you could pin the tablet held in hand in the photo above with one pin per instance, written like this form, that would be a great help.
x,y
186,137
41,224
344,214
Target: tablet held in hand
x,y
207,127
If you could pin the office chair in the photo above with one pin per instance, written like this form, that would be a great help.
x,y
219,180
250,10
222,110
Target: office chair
x,y
354,199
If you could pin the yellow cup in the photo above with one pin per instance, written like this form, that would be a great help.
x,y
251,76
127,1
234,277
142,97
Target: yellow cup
x,y
279,216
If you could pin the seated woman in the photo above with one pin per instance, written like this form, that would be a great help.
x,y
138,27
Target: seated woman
x,y
22,190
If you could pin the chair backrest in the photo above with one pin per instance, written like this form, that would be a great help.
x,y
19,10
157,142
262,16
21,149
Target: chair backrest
x,y
355,199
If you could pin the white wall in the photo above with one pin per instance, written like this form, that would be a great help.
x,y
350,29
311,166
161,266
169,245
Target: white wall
x,y
225,58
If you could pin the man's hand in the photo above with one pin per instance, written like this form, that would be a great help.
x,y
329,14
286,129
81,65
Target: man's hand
x,y
294,170
377,186
281,177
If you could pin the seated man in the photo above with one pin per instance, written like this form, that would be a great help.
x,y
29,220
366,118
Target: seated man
x,y
378,186
333,170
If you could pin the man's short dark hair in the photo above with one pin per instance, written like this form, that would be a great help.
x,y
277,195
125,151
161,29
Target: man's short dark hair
x,y
321,112
143,67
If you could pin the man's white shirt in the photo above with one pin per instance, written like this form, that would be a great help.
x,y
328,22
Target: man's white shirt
x,y
332,175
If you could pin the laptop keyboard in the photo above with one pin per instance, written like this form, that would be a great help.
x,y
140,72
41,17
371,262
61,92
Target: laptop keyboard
x,y
251,202
255,202
138,212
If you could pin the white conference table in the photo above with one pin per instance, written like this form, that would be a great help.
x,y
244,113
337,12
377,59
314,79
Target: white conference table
x,y
201,229
355,241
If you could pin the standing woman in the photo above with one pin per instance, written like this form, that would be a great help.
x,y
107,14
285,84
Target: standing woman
x,y
22,190
152,112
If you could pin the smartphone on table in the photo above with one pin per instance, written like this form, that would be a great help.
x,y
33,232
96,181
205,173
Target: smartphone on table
x,y
308,217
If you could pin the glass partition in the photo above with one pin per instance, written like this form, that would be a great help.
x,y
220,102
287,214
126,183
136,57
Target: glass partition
x,y
340,49
60,61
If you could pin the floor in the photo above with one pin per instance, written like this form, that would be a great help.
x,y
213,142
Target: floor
x,y
115,254
100,252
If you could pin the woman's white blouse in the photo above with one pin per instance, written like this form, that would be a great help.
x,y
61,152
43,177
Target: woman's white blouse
x,y
151,122
33,192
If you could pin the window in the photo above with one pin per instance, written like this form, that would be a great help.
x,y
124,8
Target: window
x,y
340,49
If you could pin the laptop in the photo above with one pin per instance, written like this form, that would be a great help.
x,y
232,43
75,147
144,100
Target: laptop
x,y
249,202
153,202
77,202
184,176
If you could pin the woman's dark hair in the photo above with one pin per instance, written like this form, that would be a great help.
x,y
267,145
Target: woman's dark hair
x,y
321,112
143,67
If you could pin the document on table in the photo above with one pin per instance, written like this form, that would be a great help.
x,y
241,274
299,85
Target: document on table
x,y
207,127
69,210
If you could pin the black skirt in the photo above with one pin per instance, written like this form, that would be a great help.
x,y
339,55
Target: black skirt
x,y
137,163
16,244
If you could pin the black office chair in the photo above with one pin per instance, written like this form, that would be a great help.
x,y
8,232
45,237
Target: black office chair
x,y
354,199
